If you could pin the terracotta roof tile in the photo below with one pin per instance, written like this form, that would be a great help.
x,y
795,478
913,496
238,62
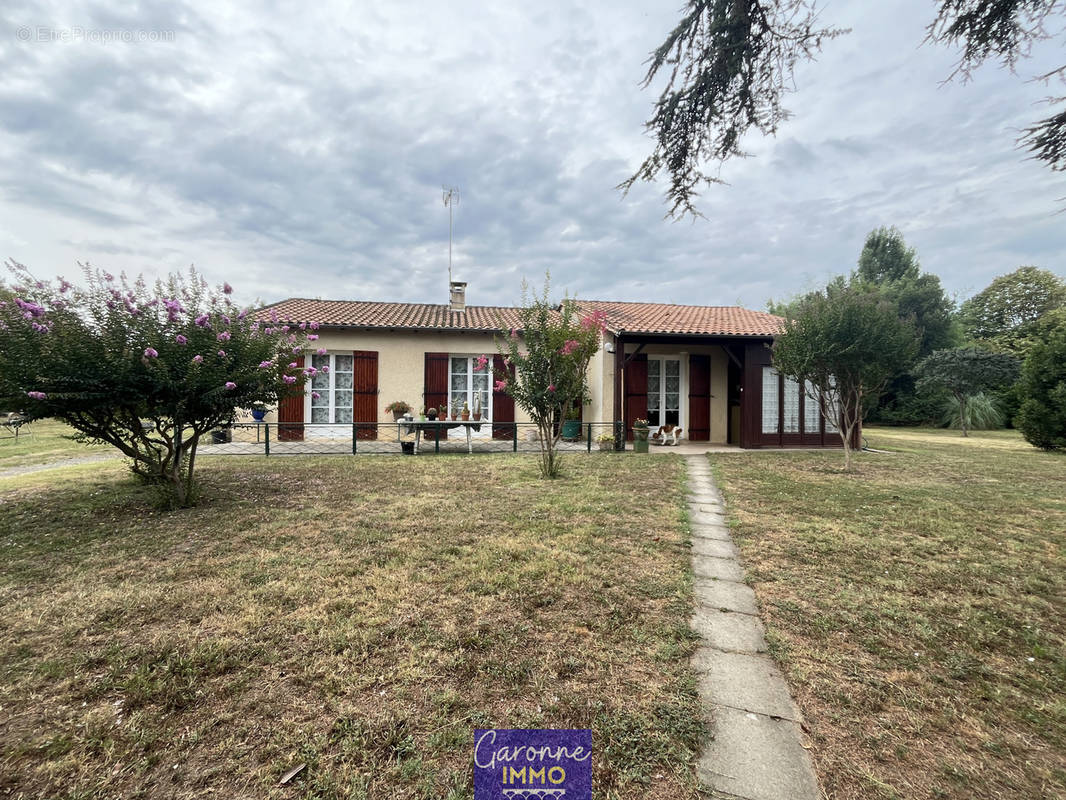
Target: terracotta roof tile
x,y
365,314
660,318
698,320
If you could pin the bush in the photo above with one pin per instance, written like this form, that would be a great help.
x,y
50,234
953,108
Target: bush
x,y
1042,416
982,413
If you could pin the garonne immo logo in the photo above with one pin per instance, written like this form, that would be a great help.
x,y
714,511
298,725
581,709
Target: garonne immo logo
x,y
531,764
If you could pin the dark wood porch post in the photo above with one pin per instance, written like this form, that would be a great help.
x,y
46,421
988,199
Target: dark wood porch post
x,y
619,359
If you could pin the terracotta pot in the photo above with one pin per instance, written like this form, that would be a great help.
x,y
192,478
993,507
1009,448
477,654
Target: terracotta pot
x,y
455,417
477,416
466,416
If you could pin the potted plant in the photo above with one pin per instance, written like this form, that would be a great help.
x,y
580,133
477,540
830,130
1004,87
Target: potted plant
x,y
259,411
455,410
466,411
422,415
431,414
640,436
398,409
443,413
605,441
477,406
572,425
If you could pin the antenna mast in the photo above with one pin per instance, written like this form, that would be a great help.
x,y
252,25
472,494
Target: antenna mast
x,y
451,199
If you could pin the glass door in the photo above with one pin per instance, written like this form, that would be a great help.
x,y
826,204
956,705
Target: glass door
x,y
664,391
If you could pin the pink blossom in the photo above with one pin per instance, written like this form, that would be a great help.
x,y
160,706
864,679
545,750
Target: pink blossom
x,y
36,395
482,362
224,336
303,325
501,386
151,352
310,372
64,285
597,320
312,337
569,346
230,385
227,289
266,365
181,339
315,395
514,333
221,353
314,326
321,351
198,359
108,277
203,320
288,378
324,369
293,365
551,387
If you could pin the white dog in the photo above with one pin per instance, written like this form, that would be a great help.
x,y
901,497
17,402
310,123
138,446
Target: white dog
x,y
667,434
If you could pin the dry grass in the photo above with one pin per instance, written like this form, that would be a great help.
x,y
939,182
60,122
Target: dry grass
x,y
360,616
918,607
41,442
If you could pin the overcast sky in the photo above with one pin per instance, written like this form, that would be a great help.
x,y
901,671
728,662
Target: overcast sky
x,y
299,149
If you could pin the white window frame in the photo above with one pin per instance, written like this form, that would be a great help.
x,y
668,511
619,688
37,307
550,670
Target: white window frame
x,y
308,412
471,359
682,384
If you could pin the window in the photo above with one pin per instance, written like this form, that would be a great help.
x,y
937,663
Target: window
x,y
466,380
664,391
792,406
811,413
770,407
333,384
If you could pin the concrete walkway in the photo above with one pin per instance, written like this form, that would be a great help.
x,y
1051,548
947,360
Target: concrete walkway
x,y
756,750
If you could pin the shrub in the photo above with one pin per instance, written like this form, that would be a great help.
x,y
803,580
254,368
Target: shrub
x,y
1042,416
982,413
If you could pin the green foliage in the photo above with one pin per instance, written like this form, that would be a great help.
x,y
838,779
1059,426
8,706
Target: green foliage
x,y
148,371
549,356
886,257
1008,314
728,65
965,372
981,412
1042,416
848,341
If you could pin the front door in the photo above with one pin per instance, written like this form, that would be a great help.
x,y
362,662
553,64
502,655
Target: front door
x,y
664,391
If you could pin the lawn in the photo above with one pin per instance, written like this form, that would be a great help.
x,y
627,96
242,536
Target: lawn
x,y
44,441
359,616
918,607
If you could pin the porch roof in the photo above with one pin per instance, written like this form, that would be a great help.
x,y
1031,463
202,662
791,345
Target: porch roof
x,y
666,318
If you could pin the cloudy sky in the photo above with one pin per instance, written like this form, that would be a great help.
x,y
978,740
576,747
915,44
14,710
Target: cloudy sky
x,y
299,149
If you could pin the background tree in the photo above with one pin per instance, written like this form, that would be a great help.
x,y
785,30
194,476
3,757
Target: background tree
x,y
550,361
847,342
888,265
1042,416
146,371
966,372
1006,314
729,64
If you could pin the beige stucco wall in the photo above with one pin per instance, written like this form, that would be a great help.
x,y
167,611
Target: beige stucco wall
x,y
401,360
601,377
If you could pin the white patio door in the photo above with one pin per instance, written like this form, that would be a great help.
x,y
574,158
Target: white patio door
x,y
664,391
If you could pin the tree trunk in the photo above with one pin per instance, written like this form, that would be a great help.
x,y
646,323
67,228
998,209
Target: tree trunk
x,y
962,413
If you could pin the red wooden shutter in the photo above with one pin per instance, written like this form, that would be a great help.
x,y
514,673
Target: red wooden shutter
x,y
699,398
365,392
502,403
291,417
435,389
636,389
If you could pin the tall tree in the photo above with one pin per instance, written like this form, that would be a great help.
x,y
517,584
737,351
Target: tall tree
x,y
1006,314
847,343
1042,416
729,63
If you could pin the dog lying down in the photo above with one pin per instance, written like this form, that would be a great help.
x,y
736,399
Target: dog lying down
x,y
667,434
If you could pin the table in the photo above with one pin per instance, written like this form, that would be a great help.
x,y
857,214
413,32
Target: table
x,y
406,426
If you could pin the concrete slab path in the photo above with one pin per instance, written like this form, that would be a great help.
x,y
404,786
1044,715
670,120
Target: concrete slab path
x,y
756,748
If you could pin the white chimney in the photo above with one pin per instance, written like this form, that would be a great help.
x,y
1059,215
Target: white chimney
x,y
458,295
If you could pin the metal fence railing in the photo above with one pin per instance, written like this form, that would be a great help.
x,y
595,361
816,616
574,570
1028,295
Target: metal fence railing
x,y
408,437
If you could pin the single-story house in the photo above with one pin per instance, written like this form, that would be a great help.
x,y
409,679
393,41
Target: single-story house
x,y
705,368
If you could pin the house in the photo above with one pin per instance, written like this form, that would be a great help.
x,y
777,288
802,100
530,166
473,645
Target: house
x,y
705,368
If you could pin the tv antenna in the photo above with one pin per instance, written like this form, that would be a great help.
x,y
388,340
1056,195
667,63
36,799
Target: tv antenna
x,y
451,199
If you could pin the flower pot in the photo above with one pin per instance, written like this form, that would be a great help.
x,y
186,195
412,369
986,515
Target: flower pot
x,y
432,415
607,446
640,439
571,430
455,417
466,416
258,415
408,448
477,416
397,415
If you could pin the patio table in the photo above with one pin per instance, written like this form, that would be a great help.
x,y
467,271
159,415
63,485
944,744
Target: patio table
x,y
406,426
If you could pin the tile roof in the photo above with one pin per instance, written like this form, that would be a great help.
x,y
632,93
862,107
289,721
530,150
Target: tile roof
x,y
666,318
367,314
657,318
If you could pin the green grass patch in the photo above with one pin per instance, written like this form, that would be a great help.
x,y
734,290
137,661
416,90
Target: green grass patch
x,y
361,616
918,607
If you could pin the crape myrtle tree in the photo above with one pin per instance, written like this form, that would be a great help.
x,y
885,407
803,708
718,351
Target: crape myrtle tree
x,y
728,65
966,372
146,370
846,342
546,366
